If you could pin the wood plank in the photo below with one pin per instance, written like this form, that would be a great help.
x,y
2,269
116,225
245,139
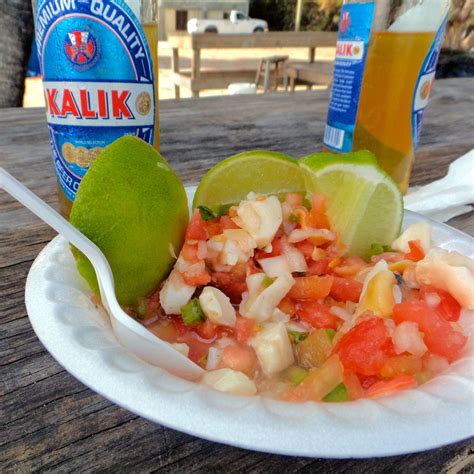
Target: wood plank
x,y
195,71
213,79
280,39
175,69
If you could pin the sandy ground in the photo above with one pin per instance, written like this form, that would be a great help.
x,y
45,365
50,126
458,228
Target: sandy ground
x,y
210,59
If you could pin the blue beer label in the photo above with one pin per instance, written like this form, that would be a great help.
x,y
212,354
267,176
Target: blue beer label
x,y
424,84
351,52
98,80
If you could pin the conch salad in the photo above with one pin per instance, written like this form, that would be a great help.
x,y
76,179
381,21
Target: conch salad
x,y
267,300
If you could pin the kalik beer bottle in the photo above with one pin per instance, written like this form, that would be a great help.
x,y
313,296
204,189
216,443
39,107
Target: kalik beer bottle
x,y
385,66
98,62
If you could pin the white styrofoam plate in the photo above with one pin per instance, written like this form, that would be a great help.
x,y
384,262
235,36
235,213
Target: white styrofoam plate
x,y
80,338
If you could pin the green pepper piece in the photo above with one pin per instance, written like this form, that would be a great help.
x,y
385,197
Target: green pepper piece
x,y
331,333
339,394
207,214
377,249
192,313
267,281
295,375
296,337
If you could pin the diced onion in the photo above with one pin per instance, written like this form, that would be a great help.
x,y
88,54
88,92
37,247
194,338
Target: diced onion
x,y
406,337
340,313
202,249
275,266
298,326
435,363
224,342
295,258
298,235
397,294
279,316
432,299
213,358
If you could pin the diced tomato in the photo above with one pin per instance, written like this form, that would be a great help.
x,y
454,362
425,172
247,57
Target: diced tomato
x,y
367,381
346,289
196,280
416,251
306,248
318,212
276,250
365,347
353,385
318,315
311,287
206,329
153,305
214,227
287,306
409,294
244,329
389,387
227,223
439,336
190,252
198,349
239,357
320,267
350,266
179,324
231,283
401,364
197,227
448,307
165,330
210,331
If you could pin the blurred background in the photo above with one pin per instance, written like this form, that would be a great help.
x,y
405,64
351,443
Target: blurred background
x,y
20,82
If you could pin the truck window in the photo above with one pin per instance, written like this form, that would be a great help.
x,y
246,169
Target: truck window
x,y
226,15
181,20
241,16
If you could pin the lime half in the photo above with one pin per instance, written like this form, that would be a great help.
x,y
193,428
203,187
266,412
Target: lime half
x,y
258,171
134,208
364,204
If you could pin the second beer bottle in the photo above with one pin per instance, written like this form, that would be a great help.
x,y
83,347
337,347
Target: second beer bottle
x,y
385,67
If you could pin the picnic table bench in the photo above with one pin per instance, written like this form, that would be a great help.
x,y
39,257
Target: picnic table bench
x,y
197,79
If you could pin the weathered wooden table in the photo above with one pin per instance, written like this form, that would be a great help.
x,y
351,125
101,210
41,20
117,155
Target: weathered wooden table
x,y
50,421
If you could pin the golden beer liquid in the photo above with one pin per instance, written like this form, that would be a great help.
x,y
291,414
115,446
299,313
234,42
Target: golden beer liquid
x,y
151,34
384,116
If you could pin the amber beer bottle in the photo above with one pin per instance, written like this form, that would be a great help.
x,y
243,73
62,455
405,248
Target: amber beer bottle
x,y
385,67
99,65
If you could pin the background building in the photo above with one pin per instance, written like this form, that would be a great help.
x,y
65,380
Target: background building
x,y
175,14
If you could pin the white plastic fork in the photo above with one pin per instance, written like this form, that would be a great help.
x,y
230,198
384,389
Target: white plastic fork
x,y
131,334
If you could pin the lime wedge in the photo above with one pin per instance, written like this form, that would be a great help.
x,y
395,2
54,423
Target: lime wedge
x,y
364,204
133,207
258,171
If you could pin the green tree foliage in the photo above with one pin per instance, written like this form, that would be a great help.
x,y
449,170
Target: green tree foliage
x,y
280,14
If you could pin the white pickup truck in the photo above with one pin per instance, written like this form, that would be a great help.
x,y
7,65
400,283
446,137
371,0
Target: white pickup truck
x,y
238,22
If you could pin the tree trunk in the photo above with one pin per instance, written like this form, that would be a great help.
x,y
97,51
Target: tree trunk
x,y
16,35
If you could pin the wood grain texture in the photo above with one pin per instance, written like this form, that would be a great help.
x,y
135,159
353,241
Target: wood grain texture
x,y
53,423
